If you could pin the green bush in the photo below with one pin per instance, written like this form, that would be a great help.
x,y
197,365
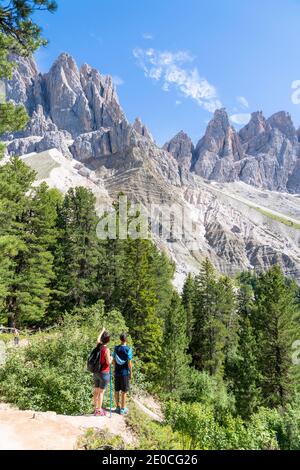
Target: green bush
x,y
203,388
51,374
95,439
289,436
9,337
151,434
200,429
284,423
195,423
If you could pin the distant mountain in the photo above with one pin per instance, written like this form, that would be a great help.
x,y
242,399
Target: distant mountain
x,y
265,153
77,112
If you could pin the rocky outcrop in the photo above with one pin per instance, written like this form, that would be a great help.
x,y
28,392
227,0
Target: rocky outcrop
x,y
265,153
66,101
293,184
106,141
218,150
256,126
68,106
24,87
182,148
141,129
272,151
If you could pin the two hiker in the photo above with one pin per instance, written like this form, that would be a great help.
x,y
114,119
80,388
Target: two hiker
x,y
121,359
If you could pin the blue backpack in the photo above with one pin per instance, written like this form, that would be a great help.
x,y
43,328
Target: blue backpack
x,y
121,357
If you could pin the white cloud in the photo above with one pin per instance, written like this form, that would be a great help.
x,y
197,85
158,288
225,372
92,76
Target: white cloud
x,y
117,80
96,37
148,36
170,69
177,102
242,101
240,119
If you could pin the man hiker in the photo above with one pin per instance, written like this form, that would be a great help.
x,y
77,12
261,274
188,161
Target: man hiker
x,y
101,378
122,360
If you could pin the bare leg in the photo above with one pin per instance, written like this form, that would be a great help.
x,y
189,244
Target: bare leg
x,y
101,396
123,399
117,399
96,398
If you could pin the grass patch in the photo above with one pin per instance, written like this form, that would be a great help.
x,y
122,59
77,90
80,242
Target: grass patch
x,y
279,219
8,337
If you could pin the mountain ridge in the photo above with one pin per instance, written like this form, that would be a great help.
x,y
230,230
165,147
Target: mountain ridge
x,y
77,112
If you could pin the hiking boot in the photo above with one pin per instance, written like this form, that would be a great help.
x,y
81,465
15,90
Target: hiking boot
x,y
123,411
102,412
118,409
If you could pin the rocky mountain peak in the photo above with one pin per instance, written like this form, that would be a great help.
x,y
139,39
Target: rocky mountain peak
x,y
67,101
182,148
65,61
220,142
255,126
282,121
68,106
77,111
220,136
220,119
24,76
141,129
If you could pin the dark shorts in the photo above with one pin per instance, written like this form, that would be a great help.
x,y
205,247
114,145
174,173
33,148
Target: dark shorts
x,y
101,380
122,383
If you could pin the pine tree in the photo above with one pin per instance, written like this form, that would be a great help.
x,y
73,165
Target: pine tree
x,y
134,277
175,360
214,321
162,270
110,272
227,306
188,299
243,372
111,268
276,329
27,231
76,256
140,306
16,22
246,372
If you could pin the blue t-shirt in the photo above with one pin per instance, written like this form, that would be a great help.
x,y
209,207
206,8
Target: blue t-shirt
x,y
122,354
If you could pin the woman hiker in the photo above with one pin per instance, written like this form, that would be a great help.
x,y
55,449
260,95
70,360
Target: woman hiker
x,y
101,379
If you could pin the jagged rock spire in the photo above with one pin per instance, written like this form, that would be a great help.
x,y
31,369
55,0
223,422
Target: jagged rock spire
x,y
182,148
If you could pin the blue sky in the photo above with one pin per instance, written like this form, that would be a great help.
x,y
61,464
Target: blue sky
x,y
175,61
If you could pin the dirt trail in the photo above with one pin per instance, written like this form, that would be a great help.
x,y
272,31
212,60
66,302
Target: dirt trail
x,y
29,430
149,407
